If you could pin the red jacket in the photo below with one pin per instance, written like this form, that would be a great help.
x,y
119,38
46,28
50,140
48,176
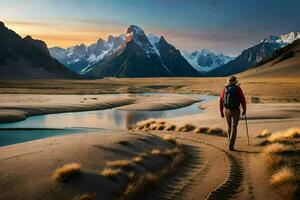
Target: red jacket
x,y
241,98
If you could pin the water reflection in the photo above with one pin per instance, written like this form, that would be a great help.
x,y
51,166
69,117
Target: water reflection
x,y
111,119
83,122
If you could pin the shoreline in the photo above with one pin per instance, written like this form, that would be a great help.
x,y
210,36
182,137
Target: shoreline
x,y
19,110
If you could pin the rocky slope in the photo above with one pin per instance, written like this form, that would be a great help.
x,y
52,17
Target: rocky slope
x,y
255,54
26,58
143,56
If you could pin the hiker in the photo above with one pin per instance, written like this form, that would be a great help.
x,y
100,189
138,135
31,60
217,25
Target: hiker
x,y
231,98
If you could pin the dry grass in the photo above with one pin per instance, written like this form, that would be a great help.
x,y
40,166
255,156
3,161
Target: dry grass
x,y
265,133
201,130
85,197
276,148
139,184
283,176
186,128
119,163
216,131
161,127
110,173
169,138
170,153
62,174
138,159
170,127
156,152
288,134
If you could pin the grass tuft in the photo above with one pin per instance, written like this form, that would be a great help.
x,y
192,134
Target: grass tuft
x,y
216,131
283,176
265,133
138,159
169,138
156,152
186,128
160,127
62,174
276,148
201,130
288,134
119,163
170,153
85,197
110,173
171,127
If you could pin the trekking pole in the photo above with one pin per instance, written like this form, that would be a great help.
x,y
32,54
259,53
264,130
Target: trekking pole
x,y
247,129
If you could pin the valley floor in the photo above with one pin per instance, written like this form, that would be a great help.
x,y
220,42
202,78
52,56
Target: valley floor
x,y
208,170
268,89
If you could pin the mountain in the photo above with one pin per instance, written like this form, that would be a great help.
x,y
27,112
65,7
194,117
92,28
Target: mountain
x,y
26,58
283,62
254,55
143,56
80,57
205,60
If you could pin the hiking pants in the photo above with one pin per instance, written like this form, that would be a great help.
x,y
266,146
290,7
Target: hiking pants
x,y
232,118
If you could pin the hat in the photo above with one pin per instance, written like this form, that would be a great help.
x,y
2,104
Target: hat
x,y
232,80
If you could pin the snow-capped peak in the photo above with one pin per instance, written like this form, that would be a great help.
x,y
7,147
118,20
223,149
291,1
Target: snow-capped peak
x,y
283,39
205,60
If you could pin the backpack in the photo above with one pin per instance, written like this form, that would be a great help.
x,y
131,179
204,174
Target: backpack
x,y
231,99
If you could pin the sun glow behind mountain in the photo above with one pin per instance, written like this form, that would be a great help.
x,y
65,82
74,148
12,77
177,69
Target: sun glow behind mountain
x,y
221,26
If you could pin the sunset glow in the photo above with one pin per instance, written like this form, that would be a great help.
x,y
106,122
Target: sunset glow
x,y
224,26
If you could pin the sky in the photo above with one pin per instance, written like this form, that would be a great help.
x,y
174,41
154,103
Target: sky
x,y
223,26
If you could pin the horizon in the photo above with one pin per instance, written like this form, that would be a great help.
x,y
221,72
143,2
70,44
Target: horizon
x,y
221,26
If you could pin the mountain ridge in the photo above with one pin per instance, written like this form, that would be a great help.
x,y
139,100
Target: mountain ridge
x,y
27,58
141,58
253,55
205,60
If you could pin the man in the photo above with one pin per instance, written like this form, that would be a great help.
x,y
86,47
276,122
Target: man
x,y
231,98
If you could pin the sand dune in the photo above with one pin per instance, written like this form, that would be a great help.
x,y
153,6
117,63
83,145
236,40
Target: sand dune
x,y
32,164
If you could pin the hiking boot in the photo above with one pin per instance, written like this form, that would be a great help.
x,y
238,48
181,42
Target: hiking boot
x,y
231,148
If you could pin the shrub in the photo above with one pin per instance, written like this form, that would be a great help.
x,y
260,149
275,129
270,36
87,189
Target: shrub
x,y
62,174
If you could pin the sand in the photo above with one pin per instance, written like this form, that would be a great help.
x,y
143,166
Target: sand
x,y
267,88
209,171
28,167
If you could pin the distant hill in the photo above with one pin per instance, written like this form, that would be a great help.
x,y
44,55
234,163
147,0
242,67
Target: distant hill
x,y
26,58
255,54
283,62
143,56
